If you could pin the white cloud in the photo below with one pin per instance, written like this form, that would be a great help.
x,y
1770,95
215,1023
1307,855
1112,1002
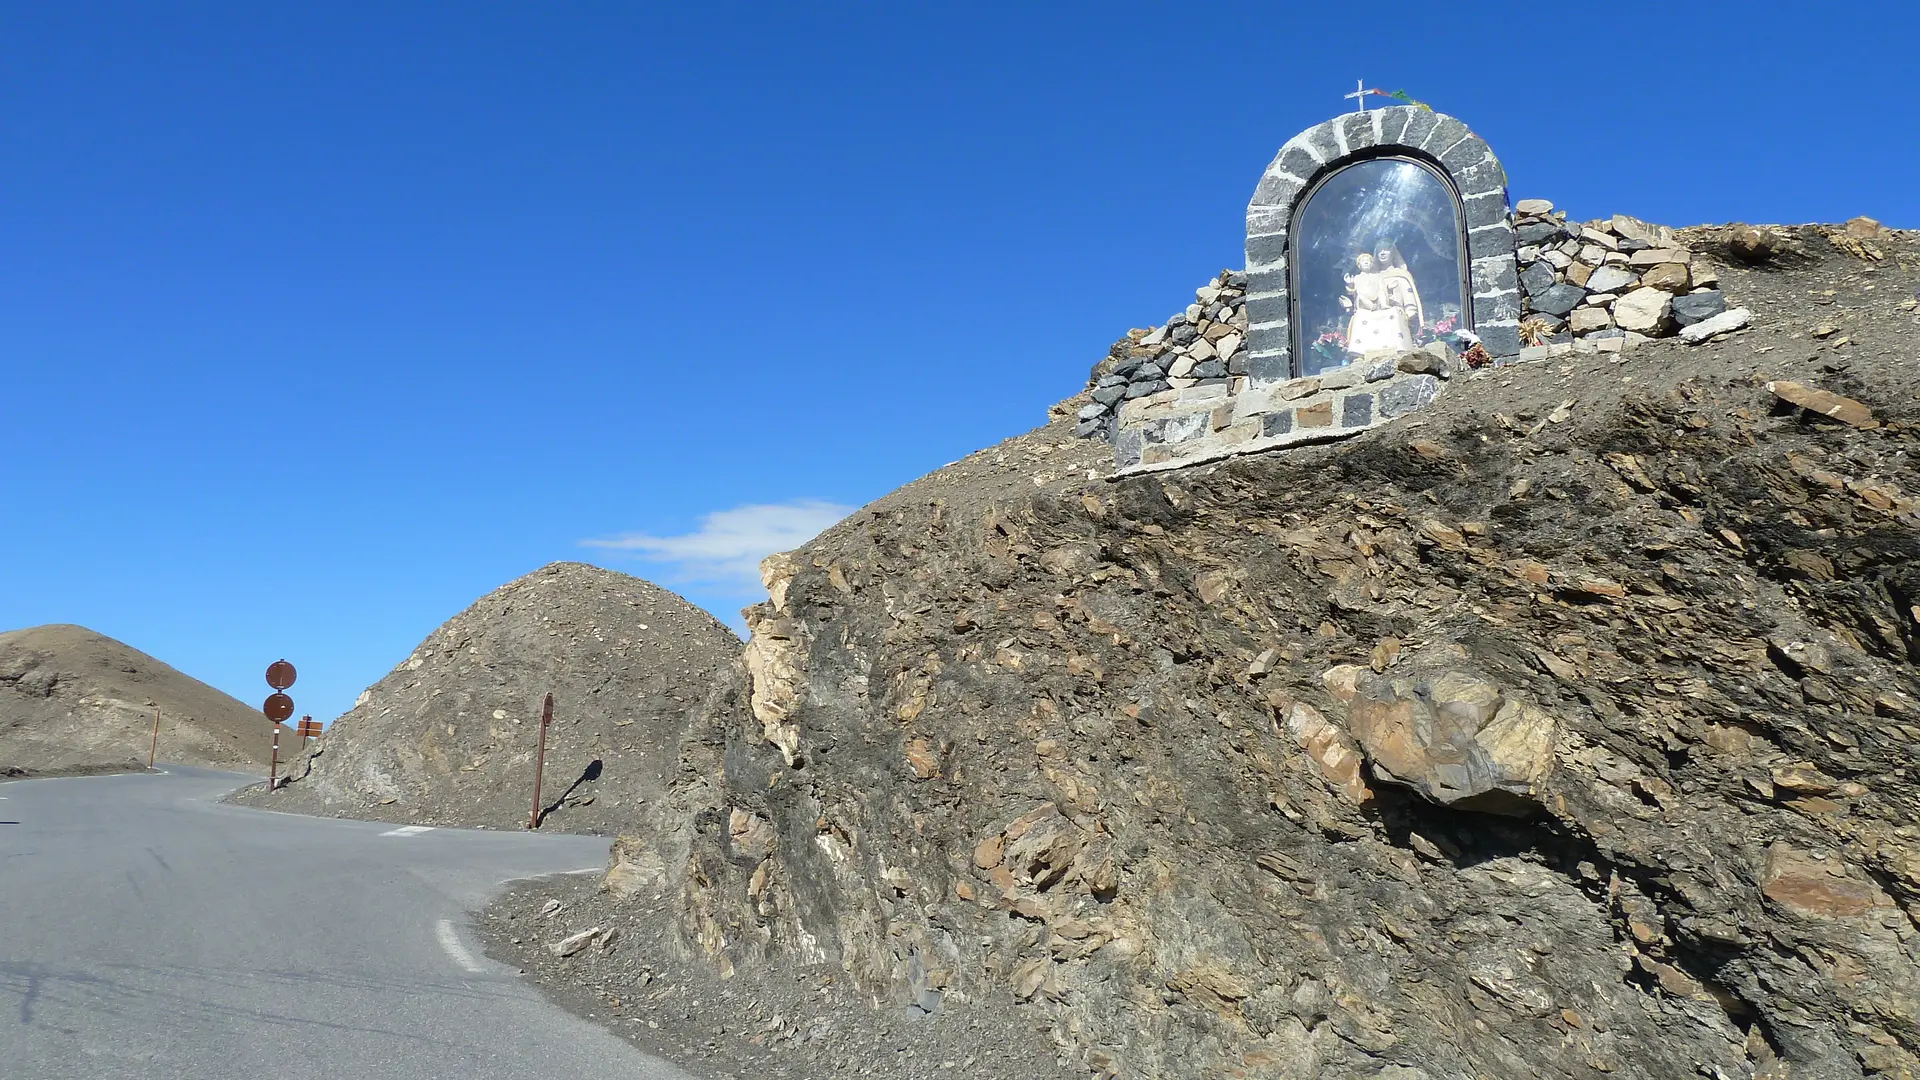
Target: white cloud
x,y
728,546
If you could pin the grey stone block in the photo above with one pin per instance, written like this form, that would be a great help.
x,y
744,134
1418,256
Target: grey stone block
x,y
1560,299
1211,369
1393,121
1446,131
1116,379
1266,309
1297,162
1183,335
1275,190
1358,128
1406,395
1278,423
1356,410
1382,370
1266,251
1090,412
1465,154
1262,220
1127,446
1698,307
1237,279
1142,389
1487,242
1175,429
1086,429
1271,365
1238,364
1321,139
1540,232
1500,340
1497,275
1489,210
1488,176
1536,278
1107,395
1420,124
1269,280
1497,307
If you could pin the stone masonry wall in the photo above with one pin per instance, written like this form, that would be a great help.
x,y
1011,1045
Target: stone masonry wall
x,y
1201,346
1612,283
1200,423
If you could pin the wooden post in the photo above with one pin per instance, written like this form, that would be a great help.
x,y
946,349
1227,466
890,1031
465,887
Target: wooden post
x,y
155,747
540,761
273,770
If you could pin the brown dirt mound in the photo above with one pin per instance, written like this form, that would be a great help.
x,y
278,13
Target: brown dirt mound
x,y
74,701
448,737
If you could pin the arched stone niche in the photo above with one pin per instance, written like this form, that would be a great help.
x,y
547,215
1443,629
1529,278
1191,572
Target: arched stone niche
x,y
1431,155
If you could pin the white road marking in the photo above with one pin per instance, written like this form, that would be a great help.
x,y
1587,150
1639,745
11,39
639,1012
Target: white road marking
x,y
450,941
408,830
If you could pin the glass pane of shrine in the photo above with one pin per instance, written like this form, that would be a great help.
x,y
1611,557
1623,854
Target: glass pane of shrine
x,y
1378,264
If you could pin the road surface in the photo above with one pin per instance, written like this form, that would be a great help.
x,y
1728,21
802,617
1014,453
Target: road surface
x,y
147,930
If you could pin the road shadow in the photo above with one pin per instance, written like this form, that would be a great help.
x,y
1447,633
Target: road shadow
x,y
587,776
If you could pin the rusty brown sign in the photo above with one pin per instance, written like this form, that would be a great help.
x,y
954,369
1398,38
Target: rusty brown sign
x,y
278,707
309,728
280,675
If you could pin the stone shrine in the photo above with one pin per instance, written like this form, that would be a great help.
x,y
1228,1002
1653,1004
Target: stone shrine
x,y
1380,250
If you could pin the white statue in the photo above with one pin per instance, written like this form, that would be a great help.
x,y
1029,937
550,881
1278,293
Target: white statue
x,y
1385,303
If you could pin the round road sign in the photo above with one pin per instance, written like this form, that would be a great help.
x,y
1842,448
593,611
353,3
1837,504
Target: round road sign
x,y
278,707
280,675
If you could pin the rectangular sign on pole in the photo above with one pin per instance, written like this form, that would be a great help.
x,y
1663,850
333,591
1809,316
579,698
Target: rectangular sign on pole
x,y
309,728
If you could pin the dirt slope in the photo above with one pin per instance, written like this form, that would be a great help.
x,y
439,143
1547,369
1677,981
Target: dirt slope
x,y
72,700
448,736
1562,730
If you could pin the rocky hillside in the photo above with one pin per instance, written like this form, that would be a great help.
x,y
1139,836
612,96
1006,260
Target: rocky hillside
x,y
74,701
1563,729
448,737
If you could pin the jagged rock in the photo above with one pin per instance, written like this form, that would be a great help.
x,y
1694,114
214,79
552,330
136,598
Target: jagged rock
x,y
1643,310
1456,739
1826,403
1694,307
1750,244
1724,323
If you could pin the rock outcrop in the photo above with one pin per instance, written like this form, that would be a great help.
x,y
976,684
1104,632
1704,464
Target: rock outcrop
x,y
74,701
1562,730
448,737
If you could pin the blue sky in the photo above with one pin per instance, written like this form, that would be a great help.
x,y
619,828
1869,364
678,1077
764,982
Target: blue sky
x,y
317,321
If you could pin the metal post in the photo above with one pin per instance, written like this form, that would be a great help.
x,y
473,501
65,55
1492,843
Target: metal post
x,y
540,761
155,748
273,774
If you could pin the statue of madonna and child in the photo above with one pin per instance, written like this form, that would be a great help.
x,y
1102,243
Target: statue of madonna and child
x,y
1384,301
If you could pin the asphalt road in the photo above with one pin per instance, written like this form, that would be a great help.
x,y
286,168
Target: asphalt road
x,y
147,930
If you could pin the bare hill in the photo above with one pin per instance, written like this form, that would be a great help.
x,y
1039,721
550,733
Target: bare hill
x,y
448,736
72,700
1563,729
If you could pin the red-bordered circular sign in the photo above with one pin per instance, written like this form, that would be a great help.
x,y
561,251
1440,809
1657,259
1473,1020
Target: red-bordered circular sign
x,y
280,675
278,707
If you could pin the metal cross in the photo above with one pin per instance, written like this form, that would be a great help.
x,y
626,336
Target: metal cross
x,y
1360,94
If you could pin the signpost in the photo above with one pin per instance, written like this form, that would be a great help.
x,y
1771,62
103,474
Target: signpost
x,y
540,761
309,728
278,707
155,747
